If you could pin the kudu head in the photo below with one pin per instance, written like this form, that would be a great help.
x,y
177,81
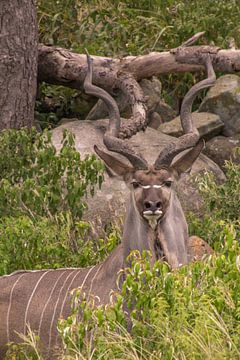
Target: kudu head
x,y
152,185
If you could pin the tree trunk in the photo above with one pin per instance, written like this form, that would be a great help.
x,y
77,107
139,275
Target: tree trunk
x,y
18,62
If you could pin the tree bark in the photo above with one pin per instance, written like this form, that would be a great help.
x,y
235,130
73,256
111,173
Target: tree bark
x,y
18,62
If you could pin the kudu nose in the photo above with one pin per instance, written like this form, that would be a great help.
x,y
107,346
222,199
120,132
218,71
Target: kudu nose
x,y
152,205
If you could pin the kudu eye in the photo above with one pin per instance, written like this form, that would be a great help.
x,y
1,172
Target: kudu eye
x,y
135,184
168,183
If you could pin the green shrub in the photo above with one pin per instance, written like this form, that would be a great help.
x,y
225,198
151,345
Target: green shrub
x,y
221,205
42,199
223,200
38,181
113,27
42,244
191,313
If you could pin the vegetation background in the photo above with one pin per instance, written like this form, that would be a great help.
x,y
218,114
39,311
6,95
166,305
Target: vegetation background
x,y
192,313
120,28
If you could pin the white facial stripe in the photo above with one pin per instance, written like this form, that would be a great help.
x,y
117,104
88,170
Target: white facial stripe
x,y
155,186
149,186
146,186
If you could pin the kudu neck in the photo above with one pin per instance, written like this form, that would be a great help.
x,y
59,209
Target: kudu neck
x,y
137,232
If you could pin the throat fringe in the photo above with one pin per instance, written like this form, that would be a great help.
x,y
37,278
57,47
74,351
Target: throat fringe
x,y
157,246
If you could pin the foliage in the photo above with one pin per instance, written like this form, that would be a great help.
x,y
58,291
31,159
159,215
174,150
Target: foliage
x,y
133,27
225,198
221,204
35,180
42,199
58,22
192,313
27,350
119,28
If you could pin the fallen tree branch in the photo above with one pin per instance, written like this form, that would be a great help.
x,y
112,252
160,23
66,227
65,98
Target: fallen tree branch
x,y
63,67
134,95
60,66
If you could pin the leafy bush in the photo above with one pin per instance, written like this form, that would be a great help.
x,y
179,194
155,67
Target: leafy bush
x,y
37,181
42,199
221,205
192,313
113,27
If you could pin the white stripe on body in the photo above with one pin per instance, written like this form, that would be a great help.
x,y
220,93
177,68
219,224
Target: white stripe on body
x,y
10,304
17,272
30,299
83,283
55,308
93,280
45,306
67,292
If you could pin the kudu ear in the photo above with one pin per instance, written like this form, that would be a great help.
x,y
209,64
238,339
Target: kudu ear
x,y
118,167
185,163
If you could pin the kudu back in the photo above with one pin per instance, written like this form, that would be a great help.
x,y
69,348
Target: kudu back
x,y
154,221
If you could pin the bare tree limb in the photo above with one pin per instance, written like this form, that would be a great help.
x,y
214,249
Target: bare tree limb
x,y
60,66
130,87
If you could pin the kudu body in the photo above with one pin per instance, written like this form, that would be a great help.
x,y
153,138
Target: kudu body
x,y
154,221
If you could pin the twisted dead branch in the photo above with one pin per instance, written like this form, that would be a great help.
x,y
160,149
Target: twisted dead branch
x,y
62,67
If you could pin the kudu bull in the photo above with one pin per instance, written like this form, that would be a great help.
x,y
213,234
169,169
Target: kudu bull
x,y
155,221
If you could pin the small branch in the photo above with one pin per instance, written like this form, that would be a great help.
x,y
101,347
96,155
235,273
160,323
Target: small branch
x,y
193,39
134,95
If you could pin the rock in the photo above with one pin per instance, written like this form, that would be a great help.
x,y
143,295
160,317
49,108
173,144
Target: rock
x,y
158,110
207,124
152,90
65,121
165,111
154,120
198,248
108,204
224,99
222,148
98,111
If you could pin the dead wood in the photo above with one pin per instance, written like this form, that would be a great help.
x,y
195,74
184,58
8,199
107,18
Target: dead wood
x,y
63,67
